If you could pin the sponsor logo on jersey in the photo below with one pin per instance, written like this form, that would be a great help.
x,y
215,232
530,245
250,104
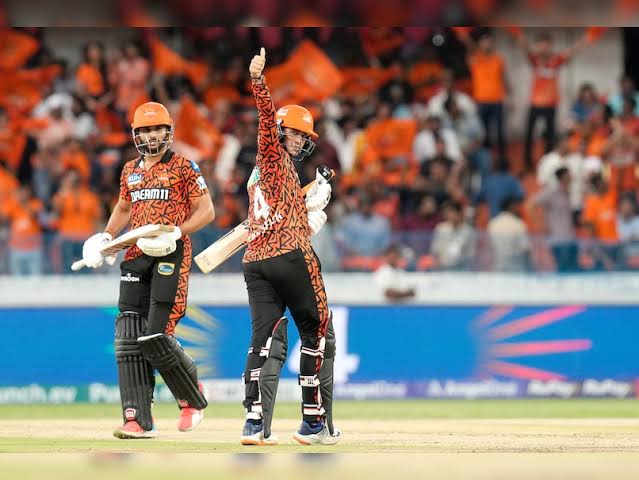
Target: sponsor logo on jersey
x,y
134,178
255,176
202,183
165,268
129,278
195,166
150,194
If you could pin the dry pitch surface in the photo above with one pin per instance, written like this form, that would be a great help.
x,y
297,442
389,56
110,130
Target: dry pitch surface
x,y
480,439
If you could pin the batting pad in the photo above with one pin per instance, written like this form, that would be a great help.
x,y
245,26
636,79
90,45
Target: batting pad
x,y
135,374
178,370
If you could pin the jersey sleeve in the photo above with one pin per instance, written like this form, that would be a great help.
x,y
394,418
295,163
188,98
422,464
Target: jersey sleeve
x,y
194,181
124,184
268,144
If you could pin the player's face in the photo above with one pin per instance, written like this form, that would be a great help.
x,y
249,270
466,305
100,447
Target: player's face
x,y
154,137
293,140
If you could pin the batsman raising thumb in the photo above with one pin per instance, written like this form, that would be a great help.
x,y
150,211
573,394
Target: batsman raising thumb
x,y
257,64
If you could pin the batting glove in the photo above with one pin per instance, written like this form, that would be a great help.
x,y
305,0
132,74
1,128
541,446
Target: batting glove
x,y
161,245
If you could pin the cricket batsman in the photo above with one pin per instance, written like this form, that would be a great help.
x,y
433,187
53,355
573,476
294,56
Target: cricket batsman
x,y
281,270
159,187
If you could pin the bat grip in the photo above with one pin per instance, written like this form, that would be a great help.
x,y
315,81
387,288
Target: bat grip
x,y
78,265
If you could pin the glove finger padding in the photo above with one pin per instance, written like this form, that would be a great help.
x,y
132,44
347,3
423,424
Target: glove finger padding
x,y
316,220
158,246
318,197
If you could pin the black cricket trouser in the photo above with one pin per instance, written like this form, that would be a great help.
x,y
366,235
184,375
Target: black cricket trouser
x,y
156,288
290,280
550,131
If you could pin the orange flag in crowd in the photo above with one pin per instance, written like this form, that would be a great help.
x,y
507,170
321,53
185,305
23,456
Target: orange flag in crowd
x,y
308,73
365,81
167,62
15,48
392,137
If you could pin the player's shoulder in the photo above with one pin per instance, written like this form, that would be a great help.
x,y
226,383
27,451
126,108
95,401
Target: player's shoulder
x,y
181,161
131,164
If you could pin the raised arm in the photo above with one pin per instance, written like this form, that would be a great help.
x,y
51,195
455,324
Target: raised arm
x,y
267,123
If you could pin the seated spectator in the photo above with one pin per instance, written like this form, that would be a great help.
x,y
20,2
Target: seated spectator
x,y
450,93
628,228
362,232
391,277
626,90
425,143
23,214
509,238
557,221
453,244
500,185
586,104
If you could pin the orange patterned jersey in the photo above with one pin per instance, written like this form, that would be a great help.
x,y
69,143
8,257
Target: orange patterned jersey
x,y
163,194
278,221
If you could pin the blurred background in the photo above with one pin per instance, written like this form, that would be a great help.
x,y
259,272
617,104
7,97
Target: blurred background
x,y
486,184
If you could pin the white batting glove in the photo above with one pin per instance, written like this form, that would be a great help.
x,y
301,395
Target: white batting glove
x,y
316,220
91,250
319,195
161,245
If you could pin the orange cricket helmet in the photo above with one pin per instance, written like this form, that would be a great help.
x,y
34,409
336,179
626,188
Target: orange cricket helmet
x,y
151,114
300,119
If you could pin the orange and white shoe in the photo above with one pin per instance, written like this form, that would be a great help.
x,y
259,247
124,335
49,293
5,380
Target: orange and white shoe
x,y
191,417
133,430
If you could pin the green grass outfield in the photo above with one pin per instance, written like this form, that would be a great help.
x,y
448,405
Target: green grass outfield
x,y
361,410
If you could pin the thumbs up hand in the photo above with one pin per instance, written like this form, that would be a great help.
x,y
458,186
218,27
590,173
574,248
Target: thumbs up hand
x,y
257,64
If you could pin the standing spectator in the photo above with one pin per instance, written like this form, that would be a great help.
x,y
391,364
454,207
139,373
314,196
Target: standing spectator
x,y
79,213
23,212
558,221
626,90
509,238
131,75
454,241
499,186
544,93
490,87
600,219
391,277
564,156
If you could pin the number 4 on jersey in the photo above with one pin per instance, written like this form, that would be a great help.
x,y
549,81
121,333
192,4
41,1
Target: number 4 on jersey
x,y
260,207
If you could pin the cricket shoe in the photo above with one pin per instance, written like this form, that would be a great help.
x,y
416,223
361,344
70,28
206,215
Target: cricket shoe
x,y
133,430
316,434
253,434
191,417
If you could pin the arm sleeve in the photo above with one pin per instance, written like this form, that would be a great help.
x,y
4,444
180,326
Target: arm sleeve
x,y
193,180
267,137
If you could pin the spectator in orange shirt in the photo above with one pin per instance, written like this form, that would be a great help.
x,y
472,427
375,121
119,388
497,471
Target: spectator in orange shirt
x,y
23,213
132,73
79,212
490,87
91,75
544,93
599,217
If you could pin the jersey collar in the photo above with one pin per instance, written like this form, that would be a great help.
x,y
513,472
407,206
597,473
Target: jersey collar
x,y
165,158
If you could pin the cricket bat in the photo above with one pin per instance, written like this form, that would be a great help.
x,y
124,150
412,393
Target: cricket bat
x,y
126,240
228,245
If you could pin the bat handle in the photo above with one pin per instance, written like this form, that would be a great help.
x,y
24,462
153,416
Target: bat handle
x,y
78,265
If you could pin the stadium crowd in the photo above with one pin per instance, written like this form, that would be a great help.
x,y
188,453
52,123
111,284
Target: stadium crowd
x,y
412,119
